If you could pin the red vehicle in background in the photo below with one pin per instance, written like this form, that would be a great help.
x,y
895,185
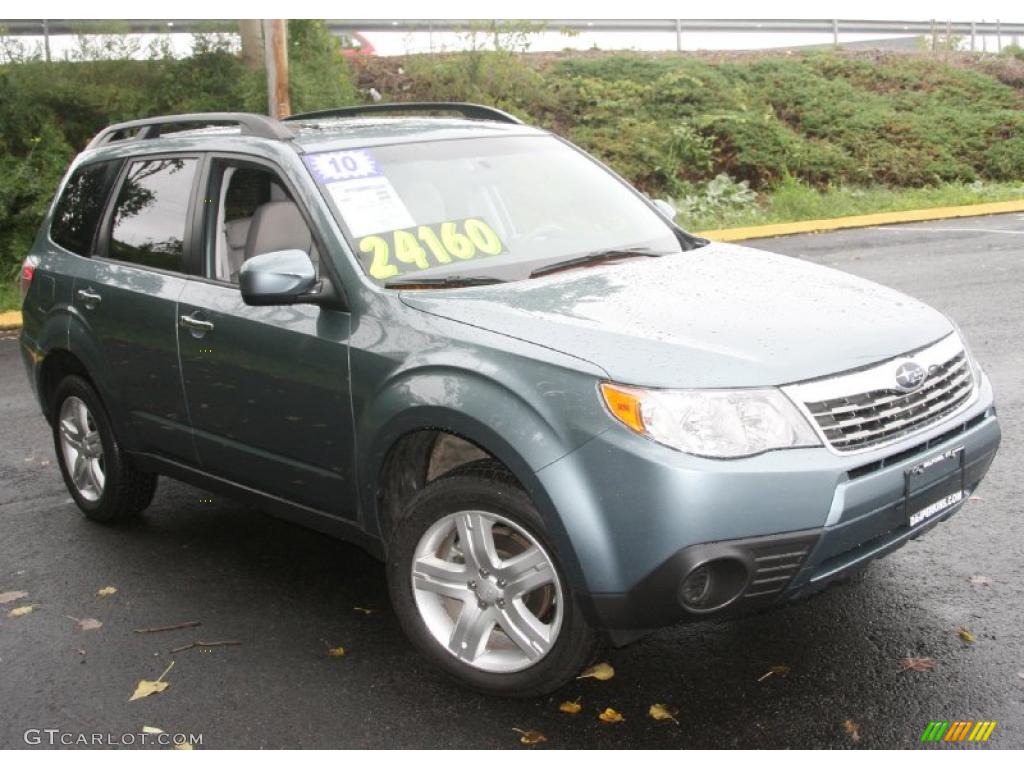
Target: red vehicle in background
x,y
355,44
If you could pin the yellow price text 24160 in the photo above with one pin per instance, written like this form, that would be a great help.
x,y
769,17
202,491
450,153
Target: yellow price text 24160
x,y
429,245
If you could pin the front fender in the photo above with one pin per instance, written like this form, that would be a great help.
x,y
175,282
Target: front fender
x,y
482,411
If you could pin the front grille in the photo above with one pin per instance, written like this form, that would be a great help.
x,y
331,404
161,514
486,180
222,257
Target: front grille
x,y
866,408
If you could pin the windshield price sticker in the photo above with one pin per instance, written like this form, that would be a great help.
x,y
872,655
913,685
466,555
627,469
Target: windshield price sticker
x,y
328,167
364,196
401,251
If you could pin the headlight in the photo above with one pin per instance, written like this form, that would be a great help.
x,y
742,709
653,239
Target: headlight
x,y
718,423
972,361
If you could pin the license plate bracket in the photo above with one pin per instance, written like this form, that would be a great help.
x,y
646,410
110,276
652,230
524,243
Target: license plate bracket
x,y
934,485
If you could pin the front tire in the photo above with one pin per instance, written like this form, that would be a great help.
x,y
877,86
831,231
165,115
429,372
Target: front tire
x,y
101,478
478,588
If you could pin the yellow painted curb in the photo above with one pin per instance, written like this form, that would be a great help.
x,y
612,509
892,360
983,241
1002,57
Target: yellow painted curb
x,y
10,320
866,220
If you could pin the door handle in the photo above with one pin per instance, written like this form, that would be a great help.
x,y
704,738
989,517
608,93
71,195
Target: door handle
x,y
89,297
195,324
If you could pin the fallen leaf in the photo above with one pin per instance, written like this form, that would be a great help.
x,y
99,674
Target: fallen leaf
x,y
611,716
86,624
980,581
149,687
975,498
184,745
151,729
570,707
852,729
24,610
336,652
600,671
917,664
779,670
10,597
106,592
365,611
966,635
661,712
530,737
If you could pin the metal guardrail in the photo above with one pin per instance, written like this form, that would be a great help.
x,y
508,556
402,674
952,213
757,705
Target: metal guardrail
x,y
826,26
835,27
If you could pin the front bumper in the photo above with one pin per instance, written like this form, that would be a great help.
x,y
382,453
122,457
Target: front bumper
x,y
641,518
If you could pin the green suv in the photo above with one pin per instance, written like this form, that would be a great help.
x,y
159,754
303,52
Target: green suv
x,y
471,348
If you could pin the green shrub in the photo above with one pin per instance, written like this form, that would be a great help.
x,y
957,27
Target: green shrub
x,y
50,110
795,129
720,199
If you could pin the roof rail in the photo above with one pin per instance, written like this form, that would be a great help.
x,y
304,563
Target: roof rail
x,y
470,111
149,127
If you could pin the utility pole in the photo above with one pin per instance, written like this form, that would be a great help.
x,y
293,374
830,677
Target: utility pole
x,y
275,52
46,38
251,34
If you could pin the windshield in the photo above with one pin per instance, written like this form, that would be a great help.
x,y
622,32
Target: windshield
x,y
482,208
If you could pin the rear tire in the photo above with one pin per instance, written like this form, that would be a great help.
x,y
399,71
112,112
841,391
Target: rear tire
x,y
525,635
100,476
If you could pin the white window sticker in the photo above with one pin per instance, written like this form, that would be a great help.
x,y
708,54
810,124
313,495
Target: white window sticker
x,y
370,205
365,198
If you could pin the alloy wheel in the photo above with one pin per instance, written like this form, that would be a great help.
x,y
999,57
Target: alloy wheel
x,y
487,591
82,448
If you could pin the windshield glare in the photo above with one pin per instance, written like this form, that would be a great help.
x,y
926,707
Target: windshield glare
x,y
499,207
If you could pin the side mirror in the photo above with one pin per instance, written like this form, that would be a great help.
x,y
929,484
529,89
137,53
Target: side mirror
x,y
278,277
666,208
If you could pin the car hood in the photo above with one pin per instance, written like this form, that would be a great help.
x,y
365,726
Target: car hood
x,y
719,316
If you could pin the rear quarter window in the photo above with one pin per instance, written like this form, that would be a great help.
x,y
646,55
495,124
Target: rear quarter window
x,y
80,207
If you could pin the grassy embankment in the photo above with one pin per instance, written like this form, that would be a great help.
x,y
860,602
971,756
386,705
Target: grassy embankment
x,y
731,139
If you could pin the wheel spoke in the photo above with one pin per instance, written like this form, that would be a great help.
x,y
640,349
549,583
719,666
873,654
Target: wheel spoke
x,y
476,536
448,579
526,572
524,629
71,434
80,472
92,446
95,474
471,632
82,419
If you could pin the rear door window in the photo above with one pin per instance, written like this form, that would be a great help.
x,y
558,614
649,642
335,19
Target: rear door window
x,y
81,205
151,215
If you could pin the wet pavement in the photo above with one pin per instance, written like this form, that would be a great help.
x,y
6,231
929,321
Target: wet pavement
x,y
288,594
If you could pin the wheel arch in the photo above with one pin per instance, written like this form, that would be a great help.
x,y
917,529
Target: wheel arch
x,y
77,353
399,463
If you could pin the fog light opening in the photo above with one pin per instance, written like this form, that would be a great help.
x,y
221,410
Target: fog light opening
x,y
713,585
696,586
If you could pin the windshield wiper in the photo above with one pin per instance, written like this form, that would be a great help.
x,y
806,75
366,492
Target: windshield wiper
x,y
445,281
594,257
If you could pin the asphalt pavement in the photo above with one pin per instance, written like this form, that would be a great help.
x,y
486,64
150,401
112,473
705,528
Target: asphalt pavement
x,y
289,594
